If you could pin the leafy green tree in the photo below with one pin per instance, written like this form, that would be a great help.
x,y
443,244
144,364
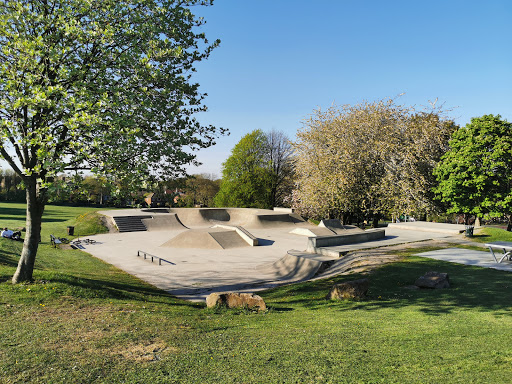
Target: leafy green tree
x,y
475,175
201,189
101,85
246,176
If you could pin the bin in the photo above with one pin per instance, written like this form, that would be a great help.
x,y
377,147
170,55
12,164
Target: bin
x,y
469,230
71,231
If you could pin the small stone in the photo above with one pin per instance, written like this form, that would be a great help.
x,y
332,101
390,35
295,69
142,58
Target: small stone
x,y
236,300
433,280
355,289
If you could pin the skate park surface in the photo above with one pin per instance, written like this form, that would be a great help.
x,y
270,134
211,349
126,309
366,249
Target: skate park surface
x,y
206,250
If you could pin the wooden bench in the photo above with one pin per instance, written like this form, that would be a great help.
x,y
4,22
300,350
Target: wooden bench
x,y
55,241
503,245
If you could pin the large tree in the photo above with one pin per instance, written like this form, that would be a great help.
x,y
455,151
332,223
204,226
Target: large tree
x,y
246,178
259,173
475,175
101,85
368,160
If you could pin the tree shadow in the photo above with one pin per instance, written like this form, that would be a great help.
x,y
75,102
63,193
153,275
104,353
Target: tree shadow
x,y
474,288
120,290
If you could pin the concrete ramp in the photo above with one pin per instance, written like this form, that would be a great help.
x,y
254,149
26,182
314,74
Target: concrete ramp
x,y
275,220
338,228
424,226
229,239
163,223
295,266
312,232
211,238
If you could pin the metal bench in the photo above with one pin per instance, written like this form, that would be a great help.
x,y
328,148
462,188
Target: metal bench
x,y
503,245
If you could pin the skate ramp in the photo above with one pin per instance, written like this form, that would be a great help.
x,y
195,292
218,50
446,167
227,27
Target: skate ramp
x,y
295,266
275,220
311,232
337,227
211,238
245,217
423,226
163,223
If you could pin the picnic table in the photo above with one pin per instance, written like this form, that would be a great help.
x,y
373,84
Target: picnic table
x,y
503,245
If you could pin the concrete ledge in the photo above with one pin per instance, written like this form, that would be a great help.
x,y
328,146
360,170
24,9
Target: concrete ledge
x,y
242,232
282,209
424,226
331,241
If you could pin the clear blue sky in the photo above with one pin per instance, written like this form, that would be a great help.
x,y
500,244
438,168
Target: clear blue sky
x,y
281,59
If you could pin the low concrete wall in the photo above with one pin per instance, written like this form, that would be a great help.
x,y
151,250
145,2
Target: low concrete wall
x,y
351,238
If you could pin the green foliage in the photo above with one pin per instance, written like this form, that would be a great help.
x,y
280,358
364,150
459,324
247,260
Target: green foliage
x,y
246,177
102,85
98,85
200,190
475,175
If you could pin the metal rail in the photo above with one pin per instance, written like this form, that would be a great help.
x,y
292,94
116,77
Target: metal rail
x,y
147,255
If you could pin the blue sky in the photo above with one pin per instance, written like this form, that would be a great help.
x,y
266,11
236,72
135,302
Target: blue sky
x,y
280,59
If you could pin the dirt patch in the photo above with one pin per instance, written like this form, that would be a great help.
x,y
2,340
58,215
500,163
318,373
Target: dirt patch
x,y
153,351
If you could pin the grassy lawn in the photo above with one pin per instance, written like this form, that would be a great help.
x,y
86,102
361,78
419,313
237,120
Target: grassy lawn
x,y
488,235
84,321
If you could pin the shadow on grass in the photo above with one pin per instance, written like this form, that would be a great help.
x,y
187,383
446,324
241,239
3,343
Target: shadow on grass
x,y
9,259
89,288
472,288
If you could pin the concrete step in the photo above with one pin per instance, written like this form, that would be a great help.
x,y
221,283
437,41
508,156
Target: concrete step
x,y
130,223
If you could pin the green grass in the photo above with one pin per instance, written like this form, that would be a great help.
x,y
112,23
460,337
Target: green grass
x,y
84,321
487,235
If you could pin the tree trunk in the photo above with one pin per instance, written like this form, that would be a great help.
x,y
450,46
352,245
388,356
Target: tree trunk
x,y
375,223
509,224
36,200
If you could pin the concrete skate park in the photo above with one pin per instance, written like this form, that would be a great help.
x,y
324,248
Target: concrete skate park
x,y
192,252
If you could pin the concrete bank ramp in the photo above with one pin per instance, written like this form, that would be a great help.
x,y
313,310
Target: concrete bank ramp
x,y
246,217
319,231
170,221
425,226
296,266
337,227
210,238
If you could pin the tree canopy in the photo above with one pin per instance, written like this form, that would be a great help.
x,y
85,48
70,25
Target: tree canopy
x,y
246,178
259,172
368,160
101,85
475,174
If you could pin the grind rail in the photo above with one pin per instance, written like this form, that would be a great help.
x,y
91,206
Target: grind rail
x,y
153,257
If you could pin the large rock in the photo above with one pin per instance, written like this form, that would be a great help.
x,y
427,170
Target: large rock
x,y
435,280
236,300
355,289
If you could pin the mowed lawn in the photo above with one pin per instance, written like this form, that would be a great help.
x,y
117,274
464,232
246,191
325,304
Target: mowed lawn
x,y
84,321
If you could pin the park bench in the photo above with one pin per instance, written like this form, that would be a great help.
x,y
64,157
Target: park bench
x,y
55,241
503,245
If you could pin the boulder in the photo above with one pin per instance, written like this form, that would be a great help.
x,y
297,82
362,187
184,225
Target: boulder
x,y
236,300
434,280
355,289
